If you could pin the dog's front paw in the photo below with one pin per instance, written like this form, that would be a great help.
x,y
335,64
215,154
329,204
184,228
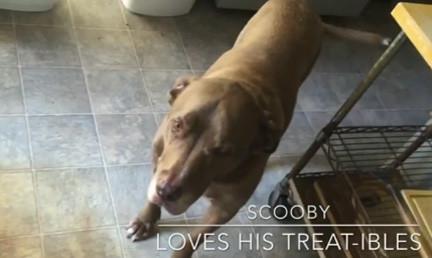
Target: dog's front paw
x,y
140,230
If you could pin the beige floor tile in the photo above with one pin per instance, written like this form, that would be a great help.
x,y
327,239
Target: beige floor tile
x,y
73,199
7,45
88,244
102,48
149,248
97,13
14,149
46,46
17,205
126,138
21,248
160,50
58,16
63,141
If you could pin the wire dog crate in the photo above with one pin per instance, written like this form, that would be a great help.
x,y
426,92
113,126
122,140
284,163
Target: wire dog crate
x,y
370,166
375,163
380,150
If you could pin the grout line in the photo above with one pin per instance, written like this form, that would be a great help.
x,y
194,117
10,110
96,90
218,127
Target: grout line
x,y
24,170
59,232
59,114
157,111
180,36
15,171
130,37
71,231
41,67
42,25
29,140
148,93
51,168
17,237
144,77
85,114
145,83
96,67
163,221
102,155
74,27
137,60
130,164
43,169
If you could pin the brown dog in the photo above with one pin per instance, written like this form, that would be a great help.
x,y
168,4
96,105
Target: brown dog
x,y
223,126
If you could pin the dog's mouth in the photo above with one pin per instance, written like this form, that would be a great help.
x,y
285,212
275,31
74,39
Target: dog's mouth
x,y
171,206
156,199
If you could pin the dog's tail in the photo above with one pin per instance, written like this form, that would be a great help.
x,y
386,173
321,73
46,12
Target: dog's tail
x,y
361,36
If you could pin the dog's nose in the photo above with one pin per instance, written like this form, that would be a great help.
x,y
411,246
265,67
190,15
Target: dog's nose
x,y
168,192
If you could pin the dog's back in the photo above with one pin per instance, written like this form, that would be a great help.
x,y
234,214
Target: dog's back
x,y
275,51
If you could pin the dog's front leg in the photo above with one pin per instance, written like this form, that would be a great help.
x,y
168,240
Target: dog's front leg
x,y
144,225
217,213
226,200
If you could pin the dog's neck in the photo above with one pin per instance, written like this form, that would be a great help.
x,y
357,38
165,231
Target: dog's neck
x,y
268,103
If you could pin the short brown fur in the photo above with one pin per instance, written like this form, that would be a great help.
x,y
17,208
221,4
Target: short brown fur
x,y
222,126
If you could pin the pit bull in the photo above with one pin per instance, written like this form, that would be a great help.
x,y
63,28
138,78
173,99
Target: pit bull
x,y
222,127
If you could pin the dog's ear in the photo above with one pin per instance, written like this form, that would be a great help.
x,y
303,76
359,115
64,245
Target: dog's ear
x,y
179,85
269,135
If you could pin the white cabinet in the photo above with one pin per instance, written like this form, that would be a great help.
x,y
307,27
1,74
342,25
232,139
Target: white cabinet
x,y
159,7
27,5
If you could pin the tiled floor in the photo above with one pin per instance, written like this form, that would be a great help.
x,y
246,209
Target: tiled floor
x,y
83,87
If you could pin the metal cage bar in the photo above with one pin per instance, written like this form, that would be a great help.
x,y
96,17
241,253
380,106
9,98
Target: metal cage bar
x,y
326,132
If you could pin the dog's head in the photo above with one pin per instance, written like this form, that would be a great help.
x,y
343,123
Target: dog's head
x,y
213,126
